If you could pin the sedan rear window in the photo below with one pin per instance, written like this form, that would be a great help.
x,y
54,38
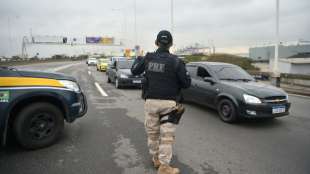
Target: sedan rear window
x,y
124,64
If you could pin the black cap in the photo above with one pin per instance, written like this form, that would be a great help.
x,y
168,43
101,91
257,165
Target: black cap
x,y
164,37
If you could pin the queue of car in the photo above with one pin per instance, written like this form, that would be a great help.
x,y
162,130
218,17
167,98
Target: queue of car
x,y
34,105
224,87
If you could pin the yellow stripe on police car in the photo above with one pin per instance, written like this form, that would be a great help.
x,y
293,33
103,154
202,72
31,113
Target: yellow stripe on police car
x,y
28,81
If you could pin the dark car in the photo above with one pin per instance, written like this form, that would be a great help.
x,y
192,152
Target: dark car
x,y
233,92
34,106
112,61
120,74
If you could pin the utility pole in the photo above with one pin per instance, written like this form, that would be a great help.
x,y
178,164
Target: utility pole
x,y
172,16
135,20
173,48
276,75
123,24
10,34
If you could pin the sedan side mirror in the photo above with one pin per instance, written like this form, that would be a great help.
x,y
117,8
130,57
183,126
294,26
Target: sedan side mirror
x,y
209,79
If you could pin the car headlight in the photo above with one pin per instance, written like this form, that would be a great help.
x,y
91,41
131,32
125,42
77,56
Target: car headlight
x,y
287,98
251,99
70,85
123,76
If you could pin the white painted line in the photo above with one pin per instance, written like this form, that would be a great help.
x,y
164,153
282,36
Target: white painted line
x,y
102,92
89,73
302,96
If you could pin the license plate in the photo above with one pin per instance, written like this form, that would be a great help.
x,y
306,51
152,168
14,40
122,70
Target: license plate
x,y
136,81
278,109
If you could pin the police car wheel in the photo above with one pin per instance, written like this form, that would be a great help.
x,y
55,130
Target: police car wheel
x,y
38,125
227,111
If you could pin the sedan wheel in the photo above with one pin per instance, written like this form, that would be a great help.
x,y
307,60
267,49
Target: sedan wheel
x,y
227,111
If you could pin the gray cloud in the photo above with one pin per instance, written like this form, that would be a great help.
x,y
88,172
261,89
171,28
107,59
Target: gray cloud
x,y
228,23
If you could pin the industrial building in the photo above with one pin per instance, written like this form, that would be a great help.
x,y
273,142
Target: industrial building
x,y
293,65
265,53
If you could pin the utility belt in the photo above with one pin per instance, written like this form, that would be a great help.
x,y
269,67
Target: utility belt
x,y
174,116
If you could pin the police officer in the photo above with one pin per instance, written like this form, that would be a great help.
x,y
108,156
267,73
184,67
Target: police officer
x,y
165,75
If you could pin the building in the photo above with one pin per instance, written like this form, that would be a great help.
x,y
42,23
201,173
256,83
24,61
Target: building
x,y
265,53
293,66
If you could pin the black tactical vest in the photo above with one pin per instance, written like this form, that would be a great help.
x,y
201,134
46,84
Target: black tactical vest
x,y
161,76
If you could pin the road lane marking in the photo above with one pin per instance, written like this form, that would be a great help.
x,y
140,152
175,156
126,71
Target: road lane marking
x,y
89,73
102,92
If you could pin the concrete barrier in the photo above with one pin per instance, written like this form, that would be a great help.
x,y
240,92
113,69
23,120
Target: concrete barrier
x,y
297,82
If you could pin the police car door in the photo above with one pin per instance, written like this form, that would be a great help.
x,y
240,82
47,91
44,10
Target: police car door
x,y
205,91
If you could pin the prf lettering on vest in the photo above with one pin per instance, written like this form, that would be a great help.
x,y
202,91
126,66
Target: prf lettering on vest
x,y
156,67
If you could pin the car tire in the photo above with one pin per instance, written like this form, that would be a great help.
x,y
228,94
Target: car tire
x,y
38,125
227,111
109,80
117,84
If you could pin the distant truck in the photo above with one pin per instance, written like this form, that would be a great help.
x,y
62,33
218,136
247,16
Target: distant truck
x,y
34,106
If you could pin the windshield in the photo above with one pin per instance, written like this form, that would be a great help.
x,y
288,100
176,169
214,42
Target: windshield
x,y
225,72
124,64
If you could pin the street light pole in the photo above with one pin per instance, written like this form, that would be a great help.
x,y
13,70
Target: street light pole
x,y
276,75
173,48
172,16
135,11
123,25
275,67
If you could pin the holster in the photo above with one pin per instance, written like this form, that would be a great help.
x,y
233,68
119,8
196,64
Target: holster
x,y
174,116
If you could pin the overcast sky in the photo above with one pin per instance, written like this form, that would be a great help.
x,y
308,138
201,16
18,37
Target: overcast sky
x,y
229,23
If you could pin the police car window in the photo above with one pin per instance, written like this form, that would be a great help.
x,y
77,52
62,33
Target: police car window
x,y
202,72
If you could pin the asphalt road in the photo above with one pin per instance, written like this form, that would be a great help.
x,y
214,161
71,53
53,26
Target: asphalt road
x,y
111,139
